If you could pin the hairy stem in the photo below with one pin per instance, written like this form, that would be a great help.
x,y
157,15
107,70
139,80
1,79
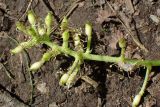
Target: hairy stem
x,y
145,80
104,58
138,97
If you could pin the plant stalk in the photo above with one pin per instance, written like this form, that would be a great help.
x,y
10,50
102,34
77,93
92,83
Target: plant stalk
x,y
104,58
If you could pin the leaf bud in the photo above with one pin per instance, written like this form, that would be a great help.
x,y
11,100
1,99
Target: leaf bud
x,y
36,65
16,50
41,31
64,79
88,29
71,79
48,19
20,26
65,35
122,43
31,17
64,24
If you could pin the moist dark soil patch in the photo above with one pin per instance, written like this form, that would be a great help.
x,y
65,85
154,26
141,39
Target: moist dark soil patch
x,y
116,89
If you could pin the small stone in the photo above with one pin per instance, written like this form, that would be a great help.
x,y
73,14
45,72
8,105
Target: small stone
x,y
154,18
42,88
158,12
53,104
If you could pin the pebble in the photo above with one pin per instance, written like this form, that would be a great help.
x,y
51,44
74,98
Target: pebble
x,y
42,88
154,18
53,104
158,12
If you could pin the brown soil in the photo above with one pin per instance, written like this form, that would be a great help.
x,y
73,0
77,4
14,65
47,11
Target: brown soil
x,y
116,88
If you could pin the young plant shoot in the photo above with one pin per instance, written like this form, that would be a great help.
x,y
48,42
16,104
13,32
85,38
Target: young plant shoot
x,y
41,35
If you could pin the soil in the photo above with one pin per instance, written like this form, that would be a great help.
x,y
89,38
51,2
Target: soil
x,y
115,88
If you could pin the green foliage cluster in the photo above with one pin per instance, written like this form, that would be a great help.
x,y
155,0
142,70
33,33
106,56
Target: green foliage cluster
x,y
40,34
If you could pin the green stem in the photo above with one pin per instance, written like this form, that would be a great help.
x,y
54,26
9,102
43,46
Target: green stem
x,y
65,37
88,50
123,54
48,31
88,31
101,58
104,58
145,80
138,97
73,67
